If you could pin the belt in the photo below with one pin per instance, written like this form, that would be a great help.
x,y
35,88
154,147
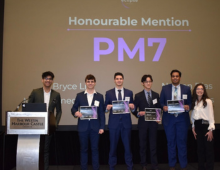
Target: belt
x,y
176,114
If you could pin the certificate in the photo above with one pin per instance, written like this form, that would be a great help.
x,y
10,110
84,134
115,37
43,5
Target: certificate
x,y
152,114
120,107
175,106
88,112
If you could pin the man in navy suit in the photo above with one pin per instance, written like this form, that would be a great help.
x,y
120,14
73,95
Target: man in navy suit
x,y
147,99
119,124
176,124
89,129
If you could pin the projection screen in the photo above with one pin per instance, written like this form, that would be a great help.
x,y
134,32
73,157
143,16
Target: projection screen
x,y
73,38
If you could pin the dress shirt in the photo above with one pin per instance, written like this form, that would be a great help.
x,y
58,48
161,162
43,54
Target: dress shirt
x,y
47,98
122,93
207,113
178,92
90,97
146,94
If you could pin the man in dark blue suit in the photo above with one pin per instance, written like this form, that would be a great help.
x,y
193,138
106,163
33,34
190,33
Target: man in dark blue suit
x,y
89,129
119,124
147,99
176,125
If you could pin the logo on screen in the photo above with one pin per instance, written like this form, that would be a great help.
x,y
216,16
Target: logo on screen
x,y
128,3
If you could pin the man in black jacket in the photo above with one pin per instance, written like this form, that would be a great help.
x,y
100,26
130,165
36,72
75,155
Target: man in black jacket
x,y
147,99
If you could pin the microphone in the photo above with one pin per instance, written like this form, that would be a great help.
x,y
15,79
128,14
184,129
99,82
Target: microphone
x,y
20,104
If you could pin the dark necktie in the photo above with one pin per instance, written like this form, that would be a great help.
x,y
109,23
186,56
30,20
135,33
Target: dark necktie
x,y
119,95
149,101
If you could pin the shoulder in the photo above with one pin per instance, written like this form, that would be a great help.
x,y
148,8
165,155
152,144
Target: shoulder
x,y
127,91
209,101
154,93
110,91
37,91
184,86
139,93
80,93
55,92
99,94
167,86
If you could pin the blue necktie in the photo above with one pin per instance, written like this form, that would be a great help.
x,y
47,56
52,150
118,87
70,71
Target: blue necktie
x,y
119,95
149,101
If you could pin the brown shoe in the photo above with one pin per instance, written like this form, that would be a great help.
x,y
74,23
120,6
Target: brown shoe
x,y
172,168
144,168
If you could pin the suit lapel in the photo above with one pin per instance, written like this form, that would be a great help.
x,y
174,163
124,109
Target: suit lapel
x,y
181,91
51,99
114,94
170,91
94,98
41,95
85,99
143,97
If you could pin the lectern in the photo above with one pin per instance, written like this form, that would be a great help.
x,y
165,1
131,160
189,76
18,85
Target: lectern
x,y
28,126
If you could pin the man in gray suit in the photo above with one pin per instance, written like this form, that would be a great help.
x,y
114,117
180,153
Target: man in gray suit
x,y
53,100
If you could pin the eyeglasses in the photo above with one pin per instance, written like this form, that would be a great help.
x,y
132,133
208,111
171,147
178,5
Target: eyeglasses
x,y
46,78
200,89
147,81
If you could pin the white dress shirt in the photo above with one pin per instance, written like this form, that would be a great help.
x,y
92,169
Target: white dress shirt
x,y
47,98
122,93
90,97
178,92
207,113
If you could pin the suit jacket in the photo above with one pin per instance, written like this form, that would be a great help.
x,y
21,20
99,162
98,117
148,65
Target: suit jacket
x,y
37,96
141,103
114,119
96,124
166,94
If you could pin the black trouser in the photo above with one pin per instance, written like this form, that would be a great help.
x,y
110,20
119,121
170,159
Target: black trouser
x,y
45,141
149,129
205,149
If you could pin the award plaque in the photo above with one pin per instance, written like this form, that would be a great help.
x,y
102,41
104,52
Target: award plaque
x,y
120,107
152,114
175,106
88,112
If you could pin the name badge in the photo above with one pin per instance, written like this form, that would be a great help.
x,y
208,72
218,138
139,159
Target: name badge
x,y
127,99
155,101
184,96
96,103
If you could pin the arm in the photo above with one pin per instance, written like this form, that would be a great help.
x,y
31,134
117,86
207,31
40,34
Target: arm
x,y
102,115
163,101
58,109
188,103
131,103
75,106
210,115
31,97
136,105
108,104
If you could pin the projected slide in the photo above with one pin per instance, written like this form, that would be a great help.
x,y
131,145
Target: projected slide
x,y
74,38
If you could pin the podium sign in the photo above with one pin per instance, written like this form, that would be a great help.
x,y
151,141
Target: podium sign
x,y
29,126
27,123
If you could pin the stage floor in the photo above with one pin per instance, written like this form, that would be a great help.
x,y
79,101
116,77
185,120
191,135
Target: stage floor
x,y
191,166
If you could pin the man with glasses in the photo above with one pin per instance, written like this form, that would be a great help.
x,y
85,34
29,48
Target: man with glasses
x,y
176,124
52,98
147,99
90,123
